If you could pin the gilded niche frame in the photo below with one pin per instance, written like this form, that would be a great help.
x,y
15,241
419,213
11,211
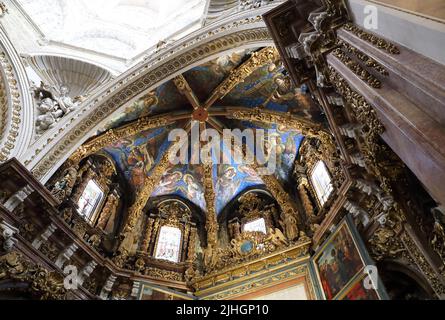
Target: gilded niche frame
x,y
343,248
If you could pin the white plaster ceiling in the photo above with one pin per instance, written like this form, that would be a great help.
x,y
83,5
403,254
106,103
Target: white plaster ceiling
x,y
120,28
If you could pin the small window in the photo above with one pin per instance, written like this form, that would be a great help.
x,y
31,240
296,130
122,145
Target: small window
x,y
322,182
258,225
89,200
169,243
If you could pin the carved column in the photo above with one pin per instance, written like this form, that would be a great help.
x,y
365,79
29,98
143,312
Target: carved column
x,y
185,243
209,194
108,210
302,191
191,245
289,213
147,235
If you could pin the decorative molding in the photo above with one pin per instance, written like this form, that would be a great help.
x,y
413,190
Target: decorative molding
x,y
17,111
372,39
306,127
367,60
357,69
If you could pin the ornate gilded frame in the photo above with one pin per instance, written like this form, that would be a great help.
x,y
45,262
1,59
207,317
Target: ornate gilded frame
x,y
366,260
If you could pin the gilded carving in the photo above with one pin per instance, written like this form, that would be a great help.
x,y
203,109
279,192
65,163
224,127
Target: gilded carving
x,y
114,135
163,274
289,121
45,284
62,189
289,214
367,60
372,39
209,194
108,211
357,69
257,59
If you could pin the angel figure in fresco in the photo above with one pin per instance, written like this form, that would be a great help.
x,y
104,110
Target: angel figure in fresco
x,y
272,146
288,155
168,182
227,184
284,91
192,190
138,161
252,175
223,65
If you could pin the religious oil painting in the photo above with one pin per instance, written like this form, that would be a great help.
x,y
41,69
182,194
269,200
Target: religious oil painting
x,y
338,261
357,291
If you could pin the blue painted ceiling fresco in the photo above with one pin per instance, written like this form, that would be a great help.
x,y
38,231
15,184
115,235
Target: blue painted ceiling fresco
x,y
267,87
136,156
287,144
205,78
184,181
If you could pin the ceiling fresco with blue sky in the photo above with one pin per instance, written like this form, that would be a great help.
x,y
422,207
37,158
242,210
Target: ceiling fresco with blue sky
x,y
184,181
267,87
136,155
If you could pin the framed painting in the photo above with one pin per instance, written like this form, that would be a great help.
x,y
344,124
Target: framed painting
x,y
340,260
357,291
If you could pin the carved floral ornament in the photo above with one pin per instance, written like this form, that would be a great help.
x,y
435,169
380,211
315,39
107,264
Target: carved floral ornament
x,y
43,283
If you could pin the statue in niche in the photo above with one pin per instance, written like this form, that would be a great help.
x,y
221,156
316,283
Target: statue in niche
x,y
65,102
51,109
49,115
289,225
62,189
211,256
107,212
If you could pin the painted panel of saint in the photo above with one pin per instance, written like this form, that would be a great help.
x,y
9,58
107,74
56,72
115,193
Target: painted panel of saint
x,y
338,262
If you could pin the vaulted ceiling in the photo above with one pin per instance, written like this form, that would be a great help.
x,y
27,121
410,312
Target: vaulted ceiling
x,y
118,28
238,81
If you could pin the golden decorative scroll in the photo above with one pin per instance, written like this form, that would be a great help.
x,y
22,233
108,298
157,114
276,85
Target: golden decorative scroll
x,y
372,39
306,127
114,135
357,69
